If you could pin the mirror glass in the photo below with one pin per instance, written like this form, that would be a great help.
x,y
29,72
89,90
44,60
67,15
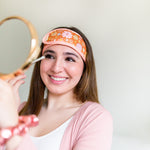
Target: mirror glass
x,y
15,41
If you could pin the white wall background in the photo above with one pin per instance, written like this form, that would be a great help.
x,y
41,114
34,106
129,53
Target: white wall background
x,y
119,31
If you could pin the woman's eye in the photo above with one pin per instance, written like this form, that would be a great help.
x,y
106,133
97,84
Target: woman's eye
x,y
70,59
49,56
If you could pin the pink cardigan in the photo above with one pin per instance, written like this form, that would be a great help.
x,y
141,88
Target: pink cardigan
x,y
90,129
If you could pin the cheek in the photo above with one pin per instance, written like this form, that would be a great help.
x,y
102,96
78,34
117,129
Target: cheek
x,y
76,70
43,67
43,71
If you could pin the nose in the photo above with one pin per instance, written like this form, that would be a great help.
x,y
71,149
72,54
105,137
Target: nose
x,y
57,66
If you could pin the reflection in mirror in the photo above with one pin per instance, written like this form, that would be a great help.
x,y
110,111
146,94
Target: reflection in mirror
x,y
15,41
18,42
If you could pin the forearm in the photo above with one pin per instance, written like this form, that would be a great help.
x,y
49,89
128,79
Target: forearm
x,y
14,142
21,143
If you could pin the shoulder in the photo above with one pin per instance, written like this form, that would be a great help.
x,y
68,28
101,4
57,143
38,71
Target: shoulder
x,y
92,121
90,128
93,105
93,113
93,109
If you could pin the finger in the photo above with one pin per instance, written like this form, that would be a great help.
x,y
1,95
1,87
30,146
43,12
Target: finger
x,y
18,84
17,78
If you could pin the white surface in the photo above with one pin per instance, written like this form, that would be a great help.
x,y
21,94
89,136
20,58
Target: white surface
x,y
129,143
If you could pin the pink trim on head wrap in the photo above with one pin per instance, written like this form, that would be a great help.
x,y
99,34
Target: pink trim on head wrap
x,y
66,37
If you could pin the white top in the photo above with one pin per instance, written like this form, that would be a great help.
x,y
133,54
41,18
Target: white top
x,y
51,140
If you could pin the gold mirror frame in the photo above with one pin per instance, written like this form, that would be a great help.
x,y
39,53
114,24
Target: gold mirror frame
x,y
34,48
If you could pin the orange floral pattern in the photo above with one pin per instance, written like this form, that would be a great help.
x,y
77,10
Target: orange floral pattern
x,y
66,37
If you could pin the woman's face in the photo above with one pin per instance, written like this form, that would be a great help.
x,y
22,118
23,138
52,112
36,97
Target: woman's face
x,y
62,69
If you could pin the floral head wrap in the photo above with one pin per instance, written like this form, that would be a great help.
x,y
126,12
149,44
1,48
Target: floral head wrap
x,y
66,37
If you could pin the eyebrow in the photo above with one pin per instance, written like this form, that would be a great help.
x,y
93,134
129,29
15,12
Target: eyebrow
x,y
68,53
50,51
65,53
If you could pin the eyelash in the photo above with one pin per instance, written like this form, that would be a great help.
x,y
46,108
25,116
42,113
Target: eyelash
x,y
70,59
49,56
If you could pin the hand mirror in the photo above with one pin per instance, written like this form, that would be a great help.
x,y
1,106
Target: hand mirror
x,y
18,46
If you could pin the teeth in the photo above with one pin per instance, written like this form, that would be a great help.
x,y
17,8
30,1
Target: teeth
x,y
57,79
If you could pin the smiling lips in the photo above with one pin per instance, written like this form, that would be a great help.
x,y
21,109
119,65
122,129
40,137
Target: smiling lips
x,y
57,78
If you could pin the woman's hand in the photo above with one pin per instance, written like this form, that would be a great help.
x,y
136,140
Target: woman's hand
x,y
16,82
8,105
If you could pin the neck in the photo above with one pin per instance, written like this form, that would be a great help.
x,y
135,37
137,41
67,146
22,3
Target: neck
x,y
62,101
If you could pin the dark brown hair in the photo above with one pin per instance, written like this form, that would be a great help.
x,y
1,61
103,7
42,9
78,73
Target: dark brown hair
x,y
86,89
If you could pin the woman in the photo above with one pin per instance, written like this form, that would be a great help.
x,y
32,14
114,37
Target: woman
x,y
63,95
